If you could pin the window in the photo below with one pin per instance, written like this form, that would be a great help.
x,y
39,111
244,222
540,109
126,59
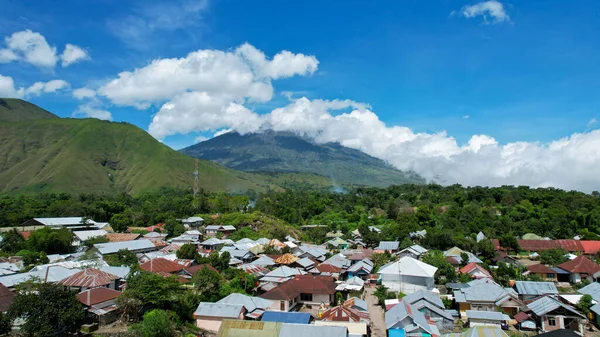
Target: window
x,y
306,297
551,321
282,305
549,275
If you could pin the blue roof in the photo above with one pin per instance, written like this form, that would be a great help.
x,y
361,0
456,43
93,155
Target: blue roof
x,y
560,271
286,317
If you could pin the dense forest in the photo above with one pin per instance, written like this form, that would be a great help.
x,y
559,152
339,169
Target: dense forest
x,y
449,214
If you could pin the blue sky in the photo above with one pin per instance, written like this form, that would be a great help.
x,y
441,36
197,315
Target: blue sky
x,y
530,76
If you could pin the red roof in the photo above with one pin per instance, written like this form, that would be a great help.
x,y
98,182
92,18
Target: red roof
x,y
302,284
159,265
496,243
97,295
341,313
7,297
590,247
471,267
540,269
538,245
327,268
25,235
89,278
194,269
580,264
522,317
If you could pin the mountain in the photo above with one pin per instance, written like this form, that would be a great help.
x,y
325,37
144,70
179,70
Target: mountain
x,y
287,152
40,152
17,110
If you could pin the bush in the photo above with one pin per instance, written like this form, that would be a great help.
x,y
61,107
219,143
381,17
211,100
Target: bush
x,y
156,323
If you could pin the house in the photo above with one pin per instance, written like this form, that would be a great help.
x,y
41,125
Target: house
x,y
326,269
309,290
592,289
286,317
242,255
136,246
456,253
351,284
418,234
486,318
155,236
529,289
71,223
342,313
43,273
581,268
264,261
286,259
354,329
254,307
312,252
480,237
551,314
338,243
404,320
185,239
432,307
214,230
361,269
161,265
253,269
407,275
193,221
211,244
237,328
189,272
338,260
7,297
487,295
304,263
387,246
525,321
414,251
79,237
209,316
357,304
475,271
92,278
543,272
281,274
100,304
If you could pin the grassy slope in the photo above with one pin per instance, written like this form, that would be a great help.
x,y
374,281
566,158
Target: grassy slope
x,y
16,110
89,155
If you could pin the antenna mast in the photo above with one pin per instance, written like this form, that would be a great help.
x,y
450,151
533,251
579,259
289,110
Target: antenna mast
x,y
196,180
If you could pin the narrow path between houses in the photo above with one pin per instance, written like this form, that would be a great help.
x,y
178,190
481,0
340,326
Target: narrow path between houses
x,y
376,312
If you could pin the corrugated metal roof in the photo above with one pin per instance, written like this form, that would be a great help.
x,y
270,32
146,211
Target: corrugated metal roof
x,y
120,237
535,288
487,292
408,266
487,315
206,309
113,247
547,304
354,329
239,328
592,289
65,221
357,303
121,272
286,317
309,330
86,235
89,278
388,245
249,302
580,264
398,313
264,261
97,295
539,245
212,242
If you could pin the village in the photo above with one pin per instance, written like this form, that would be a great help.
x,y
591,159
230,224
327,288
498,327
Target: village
x,y
340,288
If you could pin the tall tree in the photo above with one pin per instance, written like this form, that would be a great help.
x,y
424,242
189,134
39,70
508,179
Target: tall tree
x,y
187,251
156,323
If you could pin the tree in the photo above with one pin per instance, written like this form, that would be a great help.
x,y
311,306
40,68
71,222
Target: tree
x,y
510,242
156,323
584,304
48,309
553,257
12,241
120,222
5,324
187,251
208,282
51,241
445,270
32,258
149,290
173,228
95,240
271,250
464,259
122,257
381,293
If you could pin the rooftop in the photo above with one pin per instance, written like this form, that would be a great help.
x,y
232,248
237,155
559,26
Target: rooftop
x,y
286,317
7,297
408,266
580,264
225,310
388,245
97,295
535,288
89,278
120,237
113,247
302,284
159,265
540,269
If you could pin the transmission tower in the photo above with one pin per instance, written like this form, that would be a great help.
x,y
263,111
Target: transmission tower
x,y
196,180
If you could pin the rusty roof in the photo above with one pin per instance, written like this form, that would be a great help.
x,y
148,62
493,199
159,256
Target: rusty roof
x,y
538,245
301,284
89,278
159,243
120,237
327,268
286,259
341,313
97,295
580,264
540,269
159,265
590,247
194,269
7,297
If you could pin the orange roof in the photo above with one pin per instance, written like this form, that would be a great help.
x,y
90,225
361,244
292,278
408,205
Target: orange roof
x,y
471,267
97,295
159,243
160,265
89,278
540,269
590,247
120,237
286,259
580,264
327,268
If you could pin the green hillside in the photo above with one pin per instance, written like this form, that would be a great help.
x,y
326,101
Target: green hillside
x,y
285,152
17,110
90,155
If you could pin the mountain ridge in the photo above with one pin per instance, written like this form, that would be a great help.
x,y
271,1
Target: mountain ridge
x,y
287,152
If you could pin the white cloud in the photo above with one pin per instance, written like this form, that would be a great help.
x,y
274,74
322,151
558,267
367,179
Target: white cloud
x,y
492,11
82,93
466,117
591,122
32,47
137,28
90,111
200,139
73,54
284,64
8,89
